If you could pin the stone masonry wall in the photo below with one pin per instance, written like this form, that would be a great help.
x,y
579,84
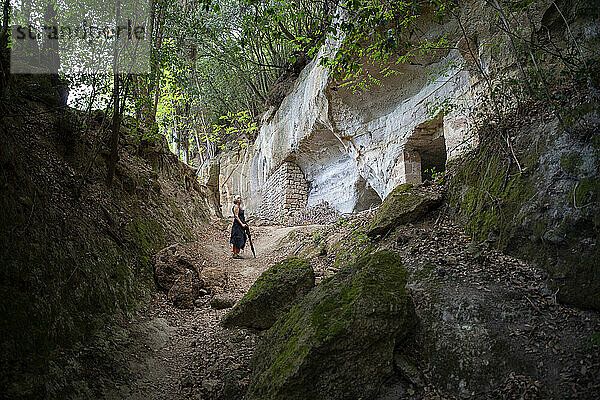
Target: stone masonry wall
x,y
284,194
408,168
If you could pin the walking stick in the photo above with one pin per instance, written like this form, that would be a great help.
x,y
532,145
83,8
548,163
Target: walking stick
x,y
250,240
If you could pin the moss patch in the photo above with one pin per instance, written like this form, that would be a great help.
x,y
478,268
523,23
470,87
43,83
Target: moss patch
x,y
587,191
332,316
272,295
318,349
271,277
492,197
571,162
148,236
403,205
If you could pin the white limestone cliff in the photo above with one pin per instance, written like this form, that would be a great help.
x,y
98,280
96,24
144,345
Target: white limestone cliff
x,y
354,148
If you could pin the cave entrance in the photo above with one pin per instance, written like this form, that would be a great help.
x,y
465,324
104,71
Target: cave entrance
x,y
427,150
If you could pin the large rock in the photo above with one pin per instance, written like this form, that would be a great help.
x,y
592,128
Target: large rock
x,y
338,343
213,279
272,295
185,290
171,263
405,204
221,301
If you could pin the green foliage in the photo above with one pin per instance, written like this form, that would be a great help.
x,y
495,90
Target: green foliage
x,y
594,340
236,128
440,107
218,62
379,37
341,221
317,237
436,176
571,162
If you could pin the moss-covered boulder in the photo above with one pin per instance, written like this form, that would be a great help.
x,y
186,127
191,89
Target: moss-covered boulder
x,y
338,343
407,203
272,295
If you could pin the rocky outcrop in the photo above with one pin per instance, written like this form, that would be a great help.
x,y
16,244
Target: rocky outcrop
x,y
272,295
213,279
222,301
185,290
405,204
184,272
338,343
172,263
487,322
546,208
353,148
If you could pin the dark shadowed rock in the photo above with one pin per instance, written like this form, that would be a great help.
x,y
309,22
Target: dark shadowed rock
x,y
405,204
185,290
338,343
272,295
213,279
234,385
171,263
221,301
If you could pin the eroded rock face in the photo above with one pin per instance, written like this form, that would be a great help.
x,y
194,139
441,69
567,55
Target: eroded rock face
x,y
405,204
548,213
338,343
208,174
272,295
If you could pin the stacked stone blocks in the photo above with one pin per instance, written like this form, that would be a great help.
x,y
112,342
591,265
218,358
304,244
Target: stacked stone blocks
x,y
408,168
285,193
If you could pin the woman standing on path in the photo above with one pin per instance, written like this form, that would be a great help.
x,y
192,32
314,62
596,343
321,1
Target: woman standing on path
x,y
238,237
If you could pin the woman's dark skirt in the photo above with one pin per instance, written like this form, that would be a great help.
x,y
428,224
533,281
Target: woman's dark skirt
x,y
238,237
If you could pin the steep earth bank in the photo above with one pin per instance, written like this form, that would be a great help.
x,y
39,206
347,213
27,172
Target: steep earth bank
x,y
540,198
72,250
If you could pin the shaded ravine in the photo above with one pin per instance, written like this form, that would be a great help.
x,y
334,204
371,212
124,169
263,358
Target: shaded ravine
x,y
176,353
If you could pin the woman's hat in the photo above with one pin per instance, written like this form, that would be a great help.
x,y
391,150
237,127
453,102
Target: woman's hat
x,y
237,197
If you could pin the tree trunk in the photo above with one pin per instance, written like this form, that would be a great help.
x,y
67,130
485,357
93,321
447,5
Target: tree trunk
x,y
175,134
4,57
50,45
116,122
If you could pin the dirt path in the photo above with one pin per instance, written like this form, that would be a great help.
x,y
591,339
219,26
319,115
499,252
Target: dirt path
x,y
177,353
